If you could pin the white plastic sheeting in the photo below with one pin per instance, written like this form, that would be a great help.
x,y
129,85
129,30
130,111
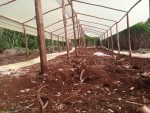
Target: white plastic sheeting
x,y
21,11
100,54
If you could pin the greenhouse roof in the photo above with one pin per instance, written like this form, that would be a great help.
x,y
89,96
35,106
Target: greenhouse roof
x,y
95,16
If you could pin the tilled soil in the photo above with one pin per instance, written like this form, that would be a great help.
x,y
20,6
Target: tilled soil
x,y
87,84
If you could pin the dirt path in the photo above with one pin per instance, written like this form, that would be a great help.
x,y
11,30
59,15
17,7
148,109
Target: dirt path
x,y
31,62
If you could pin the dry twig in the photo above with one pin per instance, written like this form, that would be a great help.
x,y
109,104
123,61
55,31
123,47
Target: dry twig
x,y
42,105
81,79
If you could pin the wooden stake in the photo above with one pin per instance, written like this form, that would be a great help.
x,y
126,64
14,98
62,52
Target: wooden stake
x,y
149,9
41,37
79,43
65,29
129,37
112,45
107,40
118,42
63,43
74,29
26,40
52,43
58,44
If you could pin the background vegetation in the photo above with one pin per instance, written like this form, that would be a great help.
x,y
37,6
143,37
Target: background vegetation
x,y
13,39
140,37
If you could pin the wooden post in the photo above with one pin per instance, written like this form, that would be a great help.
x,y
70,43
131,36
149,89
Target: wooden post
x,y
63,43
58,44
112,44
26,40
100,41
118,42
107,40
41,37
74,29
149,9
79,43
129,37
52,43
65,29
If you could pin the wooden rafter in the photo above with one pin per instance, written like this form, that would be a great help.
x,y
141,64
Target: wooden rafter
x,y
92,30
96,17
7,3
100,6
94,27
61,28
94,23
56,22
45,13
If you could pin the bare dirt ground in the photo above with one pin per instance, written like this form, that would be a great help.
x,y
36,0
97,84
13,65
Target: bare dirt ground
x,y
88,84
10,59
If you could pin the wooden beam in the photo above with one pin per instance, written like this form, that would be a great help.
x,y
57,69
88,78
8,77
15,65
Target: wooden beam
x,y
65,29
97,17
58,44
149,9
44,13
94,23
130,10
112,44
26,40
129,36
100,6
61,28
41,37
74,29
4,4
92,30
56,22
94,27
118,42
52,43
63,46
108,40
105,39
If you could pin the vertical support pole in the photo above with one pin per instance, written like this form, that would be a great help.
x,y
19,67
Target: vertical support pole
x,y
100,41
63,43
65,29
78,28
118,42
112,44
149,9
26,40
129,36
58,44
52,42
93,43
41,37
74,29
107,40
